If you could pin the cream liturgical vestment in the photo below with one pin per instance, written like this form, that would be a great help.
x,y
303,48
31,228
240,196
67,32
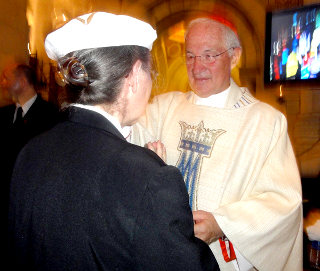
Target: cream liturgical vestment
x,y
238,164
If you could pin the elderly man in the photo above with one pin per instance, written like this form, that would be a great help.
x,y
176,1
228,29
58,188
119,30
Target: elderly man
x,y
235,155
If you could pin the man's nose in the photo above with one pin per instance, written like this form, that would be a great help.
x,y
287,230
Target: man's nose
x,y
197,64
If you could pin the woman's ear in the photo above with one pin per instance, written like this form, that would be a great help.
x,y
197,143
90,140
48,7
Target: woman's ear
x,y
136,75
132,80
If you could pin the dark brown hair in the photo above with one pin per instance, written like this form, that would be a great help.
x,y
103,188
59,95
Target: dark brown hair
x,y
95,76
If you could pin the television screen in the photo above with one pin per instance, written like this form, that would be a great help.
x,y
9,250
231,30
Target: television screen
x,y
293,44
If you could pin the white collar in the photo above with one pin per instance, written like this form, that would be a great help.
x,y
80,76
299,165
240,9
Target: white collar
x,y
125,131
216,100
27,105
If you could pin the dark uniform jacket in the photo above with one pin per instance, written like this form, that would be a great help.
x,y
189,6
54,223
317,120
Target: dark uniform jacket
x,y
82,198
40,117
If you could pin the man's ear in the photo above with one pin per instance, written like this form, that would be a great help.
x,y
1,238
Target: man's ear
x,y
22,81
235,57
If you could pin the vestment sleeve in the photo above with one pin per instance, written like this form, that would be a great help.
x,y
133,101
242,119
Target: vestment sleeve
x,y
266,225
164,227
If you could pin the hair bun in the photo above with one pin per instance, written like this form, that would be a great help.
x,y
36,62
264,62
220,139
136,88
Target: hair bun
x,y
74,72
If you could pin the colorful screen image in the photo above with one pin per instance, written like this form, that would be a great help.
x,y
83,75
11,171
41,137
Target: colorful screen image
x,y
294,44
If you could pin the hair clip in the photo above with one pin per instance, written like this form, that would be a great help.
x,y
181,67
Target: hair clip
x,y
73,72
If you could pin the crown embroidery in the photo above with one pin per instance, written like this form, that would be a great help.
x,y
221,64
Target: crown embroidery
x,y
196,142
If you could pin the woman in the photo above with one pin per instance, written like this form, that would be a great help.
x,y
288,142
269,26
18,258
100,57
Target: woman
x,y
82,197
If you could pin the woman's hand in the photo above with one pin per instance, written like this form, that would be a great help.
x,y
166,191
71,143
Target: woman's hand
x,y
159,148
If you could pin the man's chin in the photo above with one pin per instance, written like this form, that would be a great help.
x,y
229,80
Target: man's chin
x,y
203,92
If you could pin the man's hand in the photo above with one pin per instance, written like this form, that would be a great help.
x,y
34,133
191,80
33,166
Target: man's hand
x,y
206,227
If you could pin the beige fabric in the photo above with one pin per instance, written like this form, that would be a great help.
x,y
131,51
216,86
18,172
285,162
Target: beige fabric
x,y
244,171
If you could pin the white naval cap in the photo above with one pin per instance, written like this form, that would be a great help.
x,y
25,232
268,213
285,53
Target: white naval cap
x,y
98,29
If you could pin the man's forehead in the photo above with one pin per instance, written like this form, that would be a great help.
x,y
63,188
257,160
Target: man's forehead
x,y
204,35
204,44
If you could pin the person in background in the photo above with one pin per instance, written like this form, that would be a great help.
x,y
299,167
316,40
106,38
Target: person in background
x,y
82,197
234,154
29,116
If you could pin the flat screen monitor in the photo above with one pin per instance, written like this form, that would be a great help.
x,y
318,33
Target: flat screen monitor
x,y
292,51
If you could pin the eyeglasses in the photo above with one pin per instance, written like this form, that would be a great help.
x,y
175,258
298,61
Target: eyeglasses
x,y
205,58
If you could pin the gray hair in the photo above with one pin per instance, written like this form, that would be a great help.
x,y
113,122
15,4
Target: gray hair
x,y
230,38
